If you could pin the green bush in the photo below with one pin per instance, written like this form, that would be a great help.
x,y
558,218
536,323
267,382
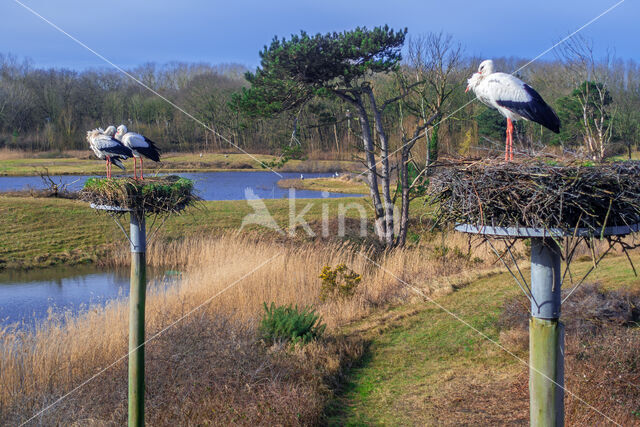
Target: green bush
x,y
338,282
287,323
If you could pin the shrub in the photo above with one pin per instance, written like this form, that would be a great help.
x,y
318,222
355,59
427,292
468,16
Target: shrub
x,y
287,323
338,282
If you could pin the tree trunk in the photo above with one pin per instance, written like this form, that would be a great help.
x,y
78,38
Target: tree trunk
x,y
404,182
385,174
432,147
372,174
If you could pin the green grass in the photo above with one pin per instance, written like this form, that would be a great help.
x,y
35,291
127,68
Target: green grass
x,y
171,162
326,184
40,232
417,348
417,351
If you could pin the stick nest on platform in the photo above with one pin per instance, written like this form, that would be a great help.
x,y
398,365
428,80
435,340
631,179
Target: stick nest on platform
x,y
539,195
164,195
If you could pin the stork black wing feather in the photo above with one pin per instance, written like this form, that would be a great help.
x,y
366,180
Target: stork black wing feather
x,y
118,149
535,110
151,152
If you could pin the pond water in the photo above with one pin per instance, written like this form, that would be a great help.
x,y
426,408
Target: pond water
x,y
27,296
230,185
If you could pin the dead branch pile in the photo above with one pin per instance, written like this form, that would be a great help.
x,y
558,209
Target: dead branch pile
x,y
538,195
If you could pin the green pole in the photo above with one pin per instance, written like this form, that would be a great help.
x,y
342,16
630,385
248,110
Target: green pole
x,y
546,376
136,318
546,337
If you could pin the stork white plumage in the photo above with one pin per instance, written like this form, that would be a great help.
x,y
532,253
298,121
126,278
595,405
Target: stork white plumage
x,y
140,146
107,148
513,98
110,131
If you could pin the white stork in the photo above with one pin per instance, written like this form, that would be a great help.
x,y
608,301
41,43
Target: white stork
x,y
110,131
107,148
513,98
140,145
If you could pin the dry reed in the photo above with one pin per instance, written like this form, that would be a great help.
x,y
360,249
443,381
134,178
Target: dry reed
x,y
37,366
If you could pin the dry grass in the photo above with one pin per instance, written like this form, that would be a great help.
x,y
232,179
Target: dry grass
x,y
38,366
602,354
9,154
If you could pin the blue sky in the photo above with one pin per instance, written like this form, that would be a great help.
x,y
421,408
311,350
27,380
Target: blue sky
x,y
133,32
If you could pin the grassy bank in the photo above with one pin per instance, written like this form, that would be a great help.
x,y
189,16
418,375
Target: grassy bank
x,y
336,185
82,163
40,232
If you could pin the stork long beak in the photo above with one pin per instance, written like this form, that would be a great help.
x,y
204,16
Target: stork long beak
x,y
467,89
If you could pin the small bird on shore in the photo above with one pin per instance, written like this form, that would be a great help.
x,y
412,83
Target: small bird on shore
x,y
513,98
107,148
140,145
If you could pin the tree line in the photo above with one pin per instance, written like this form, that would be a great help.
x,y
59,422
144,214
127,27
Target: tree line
x,y
597,99
402,106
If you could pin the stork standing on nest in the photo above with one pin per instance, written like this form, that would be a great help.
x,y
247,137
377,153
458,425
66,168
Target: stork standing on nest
x,y
513,98
107,148
140,145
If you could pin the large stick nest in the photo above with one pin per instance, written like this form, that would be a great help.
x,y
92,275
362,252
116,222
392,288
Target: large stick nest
x,y
539,195
169,194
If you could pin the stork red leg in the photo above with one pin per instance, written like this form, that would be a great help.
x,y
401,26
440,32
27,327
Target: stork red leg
x,y
141,169
506,144
135,174
108,167
508,152
511,142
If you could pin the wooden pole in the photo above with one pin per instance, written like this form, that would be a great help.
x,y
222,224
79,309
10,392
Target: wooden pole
x,y
137,295
546,336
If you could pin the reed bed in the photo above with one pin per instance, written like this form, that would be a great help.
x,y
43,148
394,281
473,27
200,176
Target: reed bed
x,y
229,277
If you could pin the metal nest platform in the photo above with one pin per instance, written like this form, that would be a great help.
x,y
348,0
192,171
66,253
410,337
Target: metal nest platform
x,y
529,232
109,208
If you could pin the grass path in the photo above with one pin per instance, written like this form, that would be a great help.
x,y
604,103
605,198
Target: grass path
x,y
418,350
420,358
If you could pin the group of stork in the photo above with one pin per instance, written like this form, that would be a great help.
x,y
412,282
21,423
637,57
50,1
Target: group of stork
x,y
504,92
115,145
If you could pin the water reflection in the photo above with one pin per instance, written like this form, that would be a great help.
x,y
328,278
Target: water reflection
x,y
208,185
27,296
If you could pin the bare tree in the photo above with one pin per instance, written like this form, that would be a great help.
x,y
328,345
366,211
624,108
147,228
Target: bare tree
x,y
435,60
435,64
590,79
